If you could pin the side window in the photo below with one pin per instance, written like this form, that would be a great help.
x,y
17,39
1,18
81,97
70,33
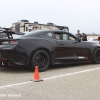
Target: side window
x,y
95,39
61,36
49,34
64,36
71,38
57,36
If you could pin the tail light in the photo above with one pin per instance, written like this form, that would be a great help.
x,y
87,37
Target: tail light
x,y
4,59
99,39
10,42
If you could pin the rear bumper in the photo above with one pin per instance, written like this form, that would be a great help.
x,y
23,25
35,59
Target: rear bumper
x,y
0,58
6,47
12,55
10,62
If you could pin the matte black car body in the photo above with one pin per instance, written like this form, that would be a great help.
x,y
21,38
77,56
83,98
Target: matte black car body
x,y
44,48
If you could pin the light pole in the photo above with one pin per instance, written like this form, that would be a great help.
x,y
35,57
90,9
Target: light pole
x,y
93,34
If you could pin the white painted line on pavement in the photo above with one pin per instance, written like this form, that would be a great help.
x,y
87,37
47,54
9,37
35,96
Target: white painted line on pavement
x,y
5,86
71,73
14,84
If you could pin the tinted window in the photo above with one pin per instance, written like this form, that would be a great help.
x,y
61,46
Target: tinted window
x,y
49,34
29,34
64,36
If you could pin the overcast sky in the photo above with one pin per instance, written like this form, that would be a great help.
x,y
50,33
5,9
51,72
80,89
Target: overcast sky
x,y
76,14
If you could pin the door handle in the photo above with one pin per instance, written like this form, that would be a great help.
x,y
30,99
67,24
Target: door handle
x,y
61,44
75,42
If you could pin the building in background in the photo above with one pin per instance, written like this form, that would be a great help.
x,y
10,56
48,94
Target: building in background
x,y
25,25
89,36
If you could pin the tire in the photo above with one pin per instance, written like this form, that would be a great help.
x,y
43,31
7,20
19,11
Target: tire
x,y
41,59
96,56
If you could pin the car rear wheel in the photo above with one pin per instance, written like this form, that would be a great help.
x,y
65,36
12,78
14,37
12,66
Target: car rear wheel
x,y
41,59
96,56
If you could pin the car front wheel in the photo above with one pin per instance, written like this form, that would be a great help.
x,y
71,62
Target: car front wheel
x,y
41,59
96,56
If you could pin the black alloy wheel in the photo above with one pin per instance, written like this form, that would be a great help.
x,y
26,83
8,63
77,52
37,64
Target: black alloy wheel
x,y
41,59
96,56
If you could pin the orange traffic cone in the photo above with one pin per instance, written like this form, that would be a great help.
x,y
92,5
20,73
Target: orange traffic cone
x,y
36,77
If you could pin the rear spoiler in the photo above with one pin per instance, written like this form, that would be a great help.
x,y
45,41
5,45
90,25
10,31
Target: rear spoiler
x,y
9,32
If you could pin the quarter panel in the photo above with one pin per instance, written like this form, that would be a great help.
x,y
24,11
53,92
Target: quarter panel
x,y
31,45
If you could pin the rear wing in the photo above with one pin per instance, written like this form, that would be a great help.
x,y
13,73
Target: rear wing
x,y
9,32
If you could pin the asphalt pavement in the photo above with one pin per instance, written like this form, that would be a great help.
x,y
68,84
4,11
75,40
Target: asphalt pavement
x,y
63,82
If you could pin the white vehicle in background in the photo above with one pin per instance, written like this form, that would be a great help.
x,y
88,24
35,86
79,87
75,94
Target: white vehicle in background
x,y
95,40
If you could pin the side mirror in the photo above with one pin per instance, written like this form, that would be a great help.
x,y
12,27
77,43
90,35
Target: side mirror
x,y
78,39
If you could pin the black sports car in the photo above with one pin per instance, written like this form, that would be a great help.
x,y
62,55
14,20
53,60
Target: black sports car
x,y
47,47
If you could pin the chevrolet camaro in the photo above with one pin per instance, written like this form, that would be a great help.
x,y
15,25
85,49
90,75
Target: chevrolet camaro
x,y
47,47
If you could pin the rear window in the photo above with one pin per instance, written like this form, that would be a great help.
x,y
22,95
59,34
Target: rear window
x,y
49,34
30,34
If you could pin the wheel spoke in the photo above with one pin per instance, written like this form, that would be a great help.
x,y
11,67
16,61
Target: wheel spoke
x,y
41,60
97,55
98,59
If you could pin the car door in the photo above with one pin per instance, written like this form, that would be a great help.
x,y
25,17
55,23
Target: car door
x,y
68,48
